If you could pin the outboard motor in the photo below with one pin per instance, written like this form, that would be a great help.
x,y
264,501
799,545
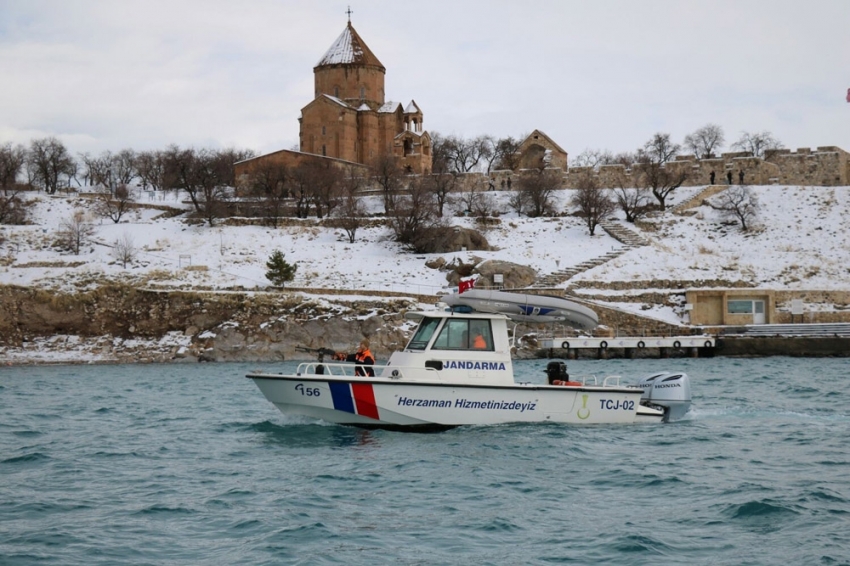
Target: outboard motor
x,y
672,391
556,371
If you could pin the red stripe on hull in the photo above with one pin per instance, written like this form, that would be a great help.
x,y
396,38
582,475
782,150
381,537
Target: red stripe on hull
x,y
364,399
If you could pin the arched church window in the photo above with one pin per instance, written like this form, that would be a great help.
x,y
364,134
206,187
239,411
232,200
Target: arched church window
x,y
324,152
336,91
362,93
323,130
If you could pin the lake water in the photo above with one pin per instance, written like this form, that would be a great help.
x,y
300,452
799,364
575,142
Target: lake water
x,y
189,464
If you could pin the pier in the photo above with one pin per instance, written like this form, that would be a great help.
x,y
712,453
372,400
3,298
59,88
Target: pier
x,y
631,344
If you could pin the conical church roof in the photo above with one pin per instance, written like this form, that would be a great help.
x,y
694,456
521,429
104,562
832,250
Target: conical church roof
x,y
349,49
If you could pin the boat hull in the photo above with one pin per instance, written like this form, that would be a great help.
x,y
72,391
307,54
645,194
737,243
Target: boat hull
x,y
377,403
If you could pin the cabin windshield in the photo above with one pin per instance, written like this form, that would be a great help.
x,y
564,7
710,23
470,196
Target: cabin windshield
x,y
465,334
423,334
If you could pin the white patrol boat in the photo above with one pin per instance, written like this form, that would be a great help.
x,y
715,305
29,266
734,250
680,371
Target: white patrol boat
x,y
457,370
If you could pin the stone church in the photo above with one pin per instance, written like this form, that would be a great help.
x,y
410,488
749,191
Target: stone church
x,y
350,118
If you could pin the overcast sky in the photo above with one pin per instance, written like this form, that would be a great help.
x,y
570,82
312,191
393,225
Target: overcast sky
x,y
110,74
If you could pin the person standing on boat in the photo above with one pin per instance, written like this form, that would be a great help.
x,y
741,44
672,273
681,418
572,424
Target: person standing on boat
x,y
363,359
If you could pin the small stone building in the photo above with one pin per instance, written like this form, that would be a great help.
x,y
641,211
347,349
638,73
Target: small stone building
x,y
539,151
718,307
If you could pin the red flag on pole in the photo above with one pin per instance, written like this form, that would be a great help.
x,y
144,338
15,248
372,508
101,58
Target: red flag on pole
x,y
465,285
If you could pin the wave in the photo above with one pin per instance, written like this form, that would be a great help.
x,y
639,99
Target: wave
x,y
32,458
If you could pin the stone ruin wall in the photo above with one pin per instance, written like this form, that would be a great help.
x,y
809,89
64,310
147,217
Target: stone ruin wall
x,y
825,166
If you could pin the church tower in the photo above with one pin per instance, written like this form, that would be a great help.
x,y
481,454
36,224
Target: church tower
x,y
350,118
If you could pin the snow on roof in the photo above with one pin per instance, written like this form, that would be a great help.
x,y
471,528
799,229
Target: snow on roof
x,y
337,100
389,106
364,108
412,108
349,49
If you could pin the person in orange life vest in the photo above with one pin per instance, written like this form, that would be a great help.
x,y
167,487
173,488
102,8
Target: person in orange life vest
x,y
363,359
478,343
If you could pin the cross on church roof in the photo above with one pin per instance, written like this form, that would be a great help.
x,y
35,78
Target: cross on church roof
x,y
349,12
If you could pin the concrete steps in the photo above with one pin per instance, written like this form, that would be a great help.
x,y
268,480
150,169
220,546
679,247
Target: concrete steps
x,y
625,236
697,199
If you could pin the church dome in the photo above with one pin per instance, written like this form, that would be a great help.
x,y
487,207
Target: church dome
x,y
349,49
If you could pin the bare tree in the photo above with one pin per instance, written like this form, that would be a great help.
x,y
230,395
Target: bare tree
x,y
593,158
652,161
738,202
269,183
203,175
443,185
301,180
592,202
13,209
114,204
325,186
757,143
467,155
415,222
350,215
12,159
388,175
124,249
124,167
74,232
213,171
97,169
705,141
150,168
473,200
633,202
506,153
49,164
535,189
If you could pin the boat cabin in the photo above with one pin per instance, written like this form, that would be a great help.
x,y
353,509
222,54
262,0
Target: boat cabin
x,y
457,348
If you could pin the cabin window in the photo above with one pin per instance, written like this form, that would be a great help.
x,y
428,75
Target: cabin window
x,y
423,334
465,334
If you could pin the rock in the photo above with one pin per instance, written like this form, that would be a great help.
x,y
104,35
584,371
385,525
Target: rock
x,y
436,263
513,275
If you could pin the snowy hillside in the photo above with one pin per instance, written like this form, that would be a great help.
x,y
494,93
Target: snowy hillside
x,y
799,242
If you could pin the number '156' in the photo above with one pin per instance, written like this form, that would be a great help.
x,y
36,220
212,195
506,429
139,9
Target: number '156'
x,y
308,391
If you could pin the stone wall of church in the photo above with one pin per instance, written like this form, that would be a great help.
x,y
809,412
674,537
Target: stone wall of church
x,y
345,81
329,129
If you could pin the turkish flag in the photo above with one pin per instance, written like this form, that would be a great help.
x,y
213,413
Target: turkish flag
x,y
465,285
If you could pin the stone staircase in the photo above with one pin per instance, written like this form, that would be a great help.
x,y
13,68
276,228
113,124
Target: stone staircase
x,y
697,199
625,236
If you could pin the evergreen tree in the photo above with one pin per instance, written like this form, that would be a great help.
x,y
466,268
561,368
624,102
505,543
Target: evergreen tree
x,y
280,271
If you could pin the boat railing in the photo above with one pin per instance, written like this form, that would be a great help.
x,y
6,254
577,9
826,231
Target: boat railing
x,y
348,370
608,381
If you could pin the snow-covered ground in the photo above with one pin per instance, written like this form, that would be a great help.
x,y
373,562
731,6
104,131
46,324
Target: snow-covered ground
x,y
799,241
